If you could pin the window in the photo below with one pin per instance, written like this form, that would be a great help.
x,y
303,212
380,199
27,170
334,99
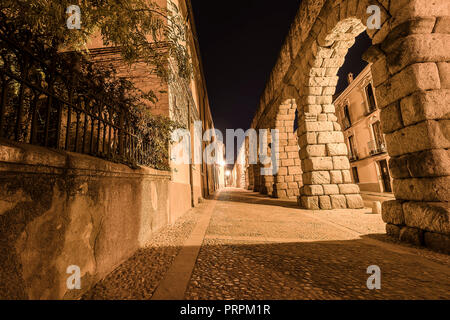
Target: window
x,y
351,145
347,121
377,145
355,174
377,134
296,120
370,98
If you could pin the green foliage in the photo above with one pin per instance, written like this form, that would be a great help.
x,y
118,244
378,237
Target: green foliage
x,y
157,131
141,29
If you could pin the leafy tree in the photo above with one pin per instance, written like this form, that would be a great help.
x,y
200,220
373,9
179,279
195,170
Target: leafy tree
x,y
141,29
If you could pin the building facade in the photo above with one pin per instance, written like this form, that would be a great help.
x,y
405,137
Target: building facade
x,y
359,116
74,206
183,100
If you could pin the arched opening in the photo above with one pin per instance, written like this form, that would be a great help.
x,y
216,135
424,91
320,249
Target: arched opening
x,y
288,178
326,168
410,63
359,116
411,82
282,176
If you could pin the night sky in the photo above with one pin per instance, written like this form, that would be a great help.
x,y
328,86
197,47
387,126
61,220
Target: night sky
x,y
239,43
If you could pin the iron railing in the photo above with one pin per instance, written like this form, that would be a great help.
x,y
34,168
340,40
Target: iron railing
x,y
376,147
40,105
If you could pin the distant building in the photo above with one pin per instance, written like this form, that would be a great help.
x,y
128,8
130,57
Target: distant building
x,y
220,168
239,172
359,116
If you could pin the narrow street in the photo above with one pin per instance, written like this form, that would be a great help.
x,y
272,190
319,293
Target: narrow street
x,y
242,245
189,150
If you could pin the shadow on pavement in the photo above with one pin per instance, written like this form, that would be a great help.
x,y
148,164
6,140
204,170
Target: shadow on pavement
x,y
227,269
313,270
256,198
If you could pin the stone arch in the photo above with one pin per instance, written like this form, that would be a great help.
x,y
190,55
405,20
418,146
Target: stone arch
x,y
256,168
324,154
285,181
288,179
265,176
410,60
261,183
411,73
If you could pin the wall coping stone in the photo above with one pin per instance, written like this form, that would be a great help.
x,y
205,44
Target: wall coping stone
x,y
26,158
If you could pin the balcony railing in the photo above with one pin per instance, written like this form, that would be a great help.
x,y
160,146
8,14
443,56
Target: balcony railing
x,y
369,111
40,105
376,148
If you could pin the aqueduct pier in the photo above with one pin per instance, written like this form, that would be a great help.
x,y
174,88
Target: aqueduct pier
x,y
410,57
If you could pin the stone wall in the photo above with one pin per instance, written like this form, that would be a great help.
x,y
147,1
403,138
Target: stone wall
x,y
59,209
288,179
182,100
415,115
410,57
251,177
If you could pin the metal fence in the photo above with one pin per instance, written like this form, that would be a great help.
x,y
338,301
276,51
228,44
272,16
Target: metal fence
x,y
40,105
375,147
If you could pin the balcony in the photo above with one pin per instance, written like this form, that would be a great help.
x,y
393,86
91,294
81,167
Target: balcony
x,y
370,111
376,148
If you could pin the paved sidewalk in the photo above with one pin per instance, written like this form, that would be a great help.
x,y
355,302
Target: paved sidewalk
x,y
254,247
369,197
175,281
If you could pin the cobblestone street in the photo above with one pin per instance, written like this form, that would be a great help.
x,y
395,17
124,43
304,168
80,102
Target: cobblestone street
x,y
254,247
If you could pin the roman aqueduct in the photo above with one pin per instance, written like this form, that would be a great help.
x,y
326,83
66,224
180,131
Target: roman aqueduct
x,y
410,58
